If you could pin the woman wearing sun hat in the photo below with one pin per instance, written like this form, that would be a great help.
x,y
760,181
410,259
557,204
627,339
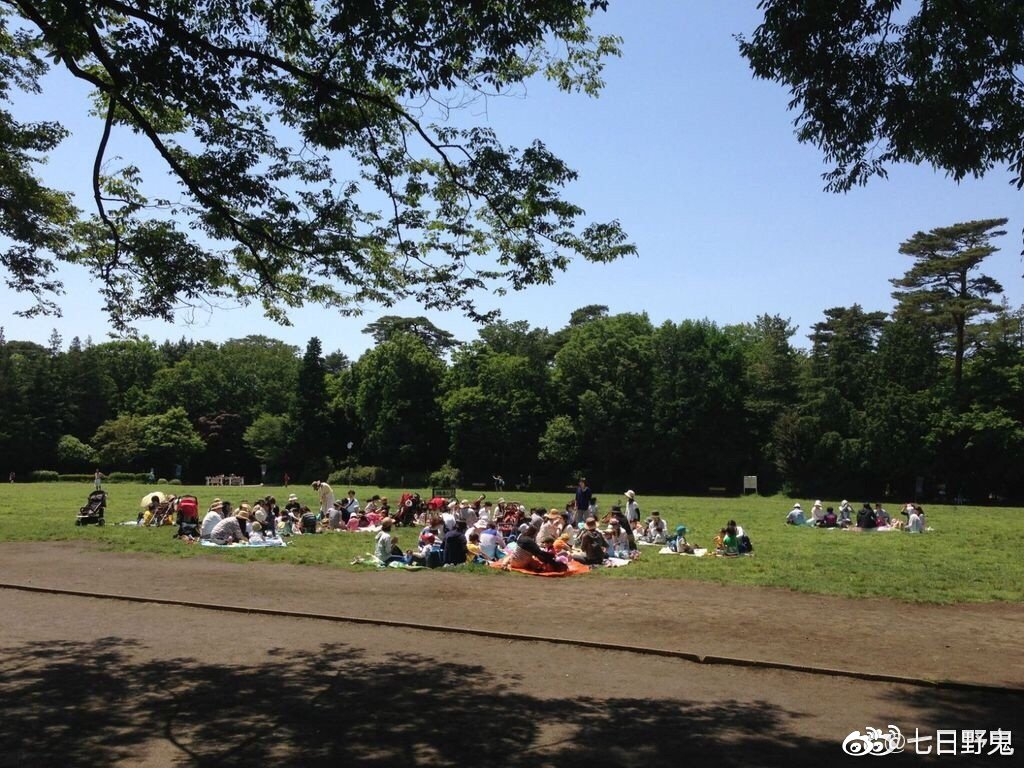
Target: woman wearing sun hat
x,y
229,530
632,509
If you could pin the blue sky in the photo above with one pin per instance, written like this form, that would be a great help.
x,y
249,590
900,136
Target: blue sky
x,y
696,158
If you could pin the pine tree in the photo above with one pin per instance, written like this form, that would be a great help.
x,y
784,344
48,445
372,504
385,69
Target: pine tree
x,y
940,286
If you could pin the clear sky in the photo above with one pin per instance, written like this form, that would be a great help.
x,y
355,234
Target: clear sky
x,y
696,158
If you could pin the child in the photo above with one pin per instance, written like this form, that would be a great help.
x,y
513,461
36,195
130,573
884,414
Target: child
x,y
731,541
720,541
473,552
256,534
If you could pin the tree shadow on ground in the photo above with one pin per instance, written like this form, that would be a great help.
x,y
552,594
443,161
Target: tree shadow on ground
x,y
92,704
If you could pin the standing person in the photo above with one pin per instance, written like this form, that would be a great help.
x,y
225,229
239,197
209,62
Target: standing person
x,y
326,495
583,498
97,479
11,477
151,477
287,477
632,509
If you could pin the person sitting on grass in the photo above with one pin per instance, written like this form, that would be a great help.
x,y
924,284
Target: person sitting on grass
x,y
530,556
796,515
719,541
256,535
829,520
551,525
592,543
230,530
474,554
383,548
916,521
866,519
213,517
731,541
745,547
817,515
492,543
455,549
618,540
845,514
678,543
655,531
884,518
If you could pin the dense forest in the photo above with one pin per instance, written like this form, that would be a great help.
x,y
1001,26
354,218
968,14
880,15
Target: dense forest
x,y
928,397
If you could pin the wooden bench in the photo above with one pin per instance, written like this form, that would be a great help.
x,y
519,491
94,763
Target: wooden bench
x,y
717,490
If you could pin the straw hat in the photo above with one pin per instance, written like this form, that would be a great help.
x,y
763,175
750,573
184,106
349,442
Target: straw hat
x,y
242,513
630,495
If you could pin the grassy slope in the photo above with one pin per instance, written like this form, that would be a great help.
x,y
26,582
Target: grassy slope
x,y
966,559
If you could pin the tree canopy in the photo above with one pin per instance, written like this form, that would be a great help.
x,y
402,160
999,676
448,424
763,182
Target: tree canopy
x,y
310,148
878,82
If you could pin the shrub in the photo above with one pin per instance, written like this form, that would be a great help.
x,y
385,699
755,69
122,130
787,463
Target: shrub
x,y
76,478
175,481
43,476
376,476
447,476
162,481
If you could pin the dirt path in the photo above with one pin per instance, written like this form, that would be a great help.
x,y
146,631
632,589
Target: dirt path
x,y
973,643
88,682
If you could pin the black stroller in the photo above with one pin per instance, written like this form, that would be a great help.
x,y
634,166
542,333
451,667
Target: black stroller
x,y
94,509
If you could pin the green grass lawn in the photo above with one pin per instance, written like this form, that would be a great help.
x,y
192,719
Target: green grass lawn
x,y
968,558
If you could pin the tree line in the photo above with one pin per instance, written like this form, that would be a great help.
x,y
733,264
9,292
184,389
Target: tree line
x,y
928,396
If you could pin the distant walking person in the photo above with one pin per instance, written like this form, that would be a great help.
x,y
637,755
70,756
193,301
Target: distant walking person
x,y
499,483
97,479
11,477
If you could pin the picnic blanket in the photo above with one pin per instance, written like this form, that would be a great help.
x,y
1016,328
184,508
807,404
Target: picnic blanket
x,y
697,552
574,569
270,543
616,562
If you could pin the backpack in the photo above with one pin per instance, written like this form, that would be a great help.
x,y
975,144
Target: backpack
x,y
745,545
435,558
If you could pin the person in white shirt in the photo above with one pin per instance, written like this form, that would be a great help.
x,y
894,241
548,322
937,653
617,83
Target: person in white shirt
x,y
551,526
916,522
632,508
796,515
450,517
618,541
492,543
256,534
326,495
211,519
655,531
817,513
350,506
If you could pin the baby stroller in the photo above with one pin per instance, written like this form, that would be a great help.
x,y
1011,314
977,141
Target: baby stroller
x,y
409,507
187,517
94,509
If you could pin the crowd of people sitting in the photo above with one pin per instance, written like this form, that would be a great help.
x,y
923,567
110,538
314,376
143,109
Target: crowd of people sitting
x,y
869,517
450,532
